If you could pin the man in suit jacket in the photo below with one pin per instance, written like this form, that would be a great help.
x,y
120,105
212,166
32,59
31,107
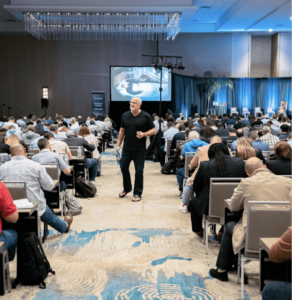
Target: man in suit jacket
x,y
221,131
261,185
225,118
238,124
208,169
201,155
180,136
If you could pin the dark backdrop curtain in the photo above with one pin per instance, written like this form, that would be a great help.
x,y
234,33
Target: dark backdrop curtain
x,y
246,92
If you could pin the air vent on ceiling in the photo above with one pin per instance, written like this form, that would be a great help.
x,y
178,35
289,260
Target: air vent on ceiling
x,y
205,7
280,25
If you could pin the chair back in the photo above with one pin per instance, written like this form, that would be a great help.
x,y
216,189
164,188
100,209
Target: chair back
x,y
257,110
265,219
266,155
74,150
4,157
178,142
34,151
245,109
258,127
168,144
30,155
270,110
52,170
288,176
220,190
271,148
229,142
17,190
233,110
188,158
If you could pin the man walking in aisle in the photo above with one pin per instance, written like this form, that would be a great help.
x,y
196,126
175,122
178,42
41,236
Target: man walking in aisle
x,y
136,125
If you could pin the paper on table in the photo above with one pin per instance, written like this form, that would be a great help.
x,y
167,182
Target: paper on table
x,y
23,203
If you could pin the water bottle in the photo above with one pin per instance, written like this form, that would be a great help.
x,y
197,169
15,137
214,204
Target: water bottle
x,y
67,159
79,152
118,156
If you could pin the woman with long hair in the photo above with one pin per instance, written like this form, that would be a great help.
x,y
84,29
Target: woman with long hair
x,y
207,133
13,140
245,150
220,164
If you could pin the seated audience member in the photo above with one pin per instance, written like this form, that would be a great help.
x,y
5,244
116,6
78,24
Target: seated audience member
x,y
275,130
89,163
275,120
167,134
281,165
74,124
201,155
238,123
267,137
46,156
206,134
256,141
93,127
221,131
280,252
85,134
225,118
284,131
47,126
232,120
180,117
231,136
49,119
212,125
92,117
21,122
244,121
4,148
220,164
13,140
190,146
57,146
101,124
30,135
261,185
284,121
256,121
8,213
245,150
108,123
54,131
11,121
239,134
289,138
36,177
180,136
62,130
39,127
14,130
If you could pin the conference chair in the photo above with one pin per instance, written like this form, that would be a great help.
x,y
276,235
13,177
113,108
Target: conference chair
x,y
4,157
233,110
264,219
173,151
229,142
79,169
34,151
257,110
188,158
245,112
5,281
266,155
17,190
220,190
168,144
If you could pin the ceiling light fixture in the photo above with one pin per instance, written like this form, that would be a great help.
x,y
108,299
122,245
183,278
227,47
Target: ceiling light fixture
x,y
290,18
103,26
270,30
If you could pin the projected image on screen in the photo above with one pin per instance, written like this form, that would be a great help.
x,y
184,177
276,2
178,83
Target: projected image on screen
x,y
144,82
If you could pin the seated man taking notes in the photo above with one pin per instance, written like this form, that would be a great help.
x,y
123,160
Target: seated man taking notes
x,y
21,169
9,214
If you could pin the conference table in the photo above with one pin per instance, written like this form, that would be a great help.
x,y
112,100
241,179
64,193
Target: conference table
x,y
220,109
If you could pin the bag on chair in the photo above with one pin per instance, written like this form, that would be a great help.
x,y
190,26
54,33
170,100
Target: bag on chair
x,y
72,204
34,265
84,188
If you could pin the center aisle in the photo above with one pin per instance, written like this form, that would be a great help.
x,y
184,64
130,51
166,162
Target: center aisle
x,y
118,249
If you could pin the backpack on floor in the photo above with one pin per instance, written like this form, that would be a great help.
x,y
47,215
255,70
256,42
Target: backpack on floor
x,y
84,188
34,266
72,203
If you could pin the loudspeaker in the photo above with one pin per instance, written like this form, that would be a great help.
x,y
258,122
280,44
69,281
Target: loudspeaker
x,y
45,103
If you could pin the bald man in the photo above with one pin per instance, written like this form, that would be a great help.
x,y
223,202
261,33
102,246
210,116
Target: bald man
x,y
261,185
21,169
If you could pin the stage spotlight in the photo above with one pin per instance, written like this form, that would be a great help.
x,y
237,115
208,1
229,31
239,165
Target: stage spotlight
x,y
170,66
180,67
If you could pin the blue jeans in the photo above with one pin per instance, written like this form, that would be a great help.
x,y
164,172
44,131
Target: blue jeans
x,y
63,186
115,134
139,160
51,219
91,164
9,237
188,193
180,175
277,290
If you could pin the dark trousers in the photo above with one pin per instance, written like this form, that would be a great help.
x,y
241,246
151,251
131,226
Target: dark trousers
x,y
195,218
277,290
162,155
226,256
139,160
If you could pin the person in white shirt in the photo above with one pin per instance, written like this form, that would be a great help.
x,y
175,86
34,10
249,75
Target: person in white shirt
x,y
11,121
180,116
74,124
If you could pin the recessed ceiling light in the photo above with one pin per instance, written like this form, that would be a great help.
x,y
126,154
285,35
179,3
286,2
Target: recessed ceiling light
x,y
290,18
270,30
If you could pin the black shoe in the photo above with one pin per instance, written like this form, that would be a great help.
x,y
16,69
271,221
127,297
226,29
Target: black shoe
x,y
220,276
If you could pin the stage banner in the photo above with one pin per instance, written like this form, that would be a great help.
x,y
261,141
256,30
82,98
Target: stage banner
x,y
98,103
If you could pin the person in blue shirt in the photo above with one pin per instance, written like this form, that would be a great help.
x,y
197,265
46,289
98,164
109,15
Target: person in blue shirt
x,y
256,142
284,131
180,116
289,139
239,134
169,133
190,146
20,122
231,121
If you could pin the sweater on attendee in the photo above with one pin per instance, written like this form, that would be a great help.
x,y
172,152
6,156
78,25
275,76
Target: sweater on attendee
x,y
281,250
192,146
29,136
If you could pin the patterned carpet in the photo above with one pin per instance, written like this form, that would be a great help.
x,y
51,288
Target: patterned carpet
x,y
119,250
